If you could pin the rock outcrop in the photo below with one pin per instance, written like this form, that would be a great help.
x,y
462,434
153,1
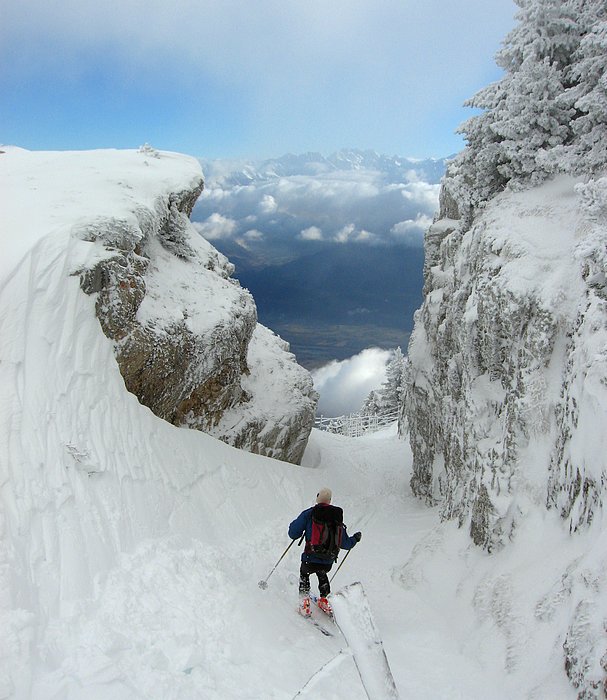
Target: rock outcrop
x,y
499,360
185,332
506,389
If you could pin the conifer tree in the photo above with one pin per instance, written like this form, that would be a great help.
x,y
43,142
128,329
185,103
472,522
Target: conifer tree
x,y
589,91
392,389
372,405
549,111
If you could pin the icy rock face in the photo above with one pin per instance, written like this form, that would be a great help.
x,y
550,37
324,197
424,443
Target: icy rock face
x,y
467,406
183,328
577,467
273,380
506,344
506,391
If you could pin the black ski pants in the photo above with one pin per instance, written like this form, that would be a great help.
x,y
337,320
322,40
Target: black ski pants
x,y
323,580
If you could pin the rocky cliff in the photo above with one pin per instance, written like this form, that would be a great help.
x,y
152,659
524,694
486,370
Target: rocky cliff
x,y
507,388
500,359
186,334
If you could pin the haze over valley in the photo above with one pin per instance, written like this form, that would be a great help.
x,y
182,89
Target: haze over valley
x,y
330,247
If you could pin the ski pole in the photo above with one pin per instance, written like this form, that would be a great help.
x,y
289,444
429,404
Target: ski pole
x,y
343,561
263,584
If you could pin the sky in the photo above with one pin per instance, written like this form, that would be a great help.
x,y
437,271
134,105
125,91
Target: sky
x,y
245,79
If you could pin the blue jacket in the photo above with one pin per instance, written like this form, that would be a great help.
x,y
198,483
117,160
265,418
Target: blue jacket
x,y
303,523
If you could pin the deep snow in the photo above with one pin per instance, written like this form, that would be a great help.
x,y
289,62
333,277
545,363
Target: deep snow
x,y
178,614
130,550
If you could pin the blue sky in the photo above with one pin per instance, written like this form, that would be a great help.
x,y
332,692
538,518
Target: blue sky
x,y
245,78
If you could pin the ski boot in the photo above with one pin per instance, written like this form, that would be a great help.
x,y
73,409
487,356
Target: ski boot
x,y
304,606
325,606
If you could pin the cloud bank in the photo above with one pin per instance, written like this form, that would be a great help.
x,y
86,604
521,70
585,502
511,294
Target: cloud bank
x,y
344,386
307,203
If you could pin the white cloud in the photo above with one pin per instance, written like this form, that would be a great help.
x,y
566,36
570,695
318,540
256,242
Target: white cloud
x,y
253,235
312,233
350,233
423,193
343,386
216,226
345,234
360,206
250,236
366,236
268,204
411,231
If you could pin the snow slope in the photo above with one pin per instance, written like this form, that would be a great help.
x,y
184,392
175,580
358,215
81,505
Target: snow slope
x,y
177,613
120,179
130,549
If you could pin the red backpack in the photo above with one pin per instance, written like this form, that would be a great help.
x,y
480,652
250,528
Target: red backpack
x,y
327,529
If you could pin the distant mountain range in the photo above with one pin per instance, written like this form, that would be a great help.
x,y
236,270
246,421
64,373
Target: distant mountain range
x,y
395,169
330,247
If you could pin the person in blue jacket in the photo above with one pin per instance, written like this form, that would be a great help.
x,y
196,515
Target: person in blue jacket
x,y
312,563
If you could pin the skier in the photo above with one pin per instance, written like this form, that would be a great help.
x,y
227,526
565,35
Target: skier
x,y
317,558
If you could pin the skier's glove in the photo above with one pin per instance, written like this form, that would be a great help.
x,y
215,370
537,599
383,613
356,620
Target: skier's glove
x,y
357,536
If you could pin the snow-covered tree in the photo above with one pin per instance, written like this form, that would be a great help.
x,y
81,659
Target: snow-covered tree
x,y
372,404
548,112
589,92
546,29
392,389
388,398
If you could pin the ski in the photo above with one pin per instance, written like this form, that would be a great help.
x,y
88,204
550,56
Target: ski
x,y
316,624
354,620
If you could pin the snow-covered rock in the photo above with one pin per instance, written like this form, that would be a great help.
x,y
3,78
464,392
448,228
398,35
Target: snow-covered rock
x,y
273,381
506,395
181,326
507,391
493,355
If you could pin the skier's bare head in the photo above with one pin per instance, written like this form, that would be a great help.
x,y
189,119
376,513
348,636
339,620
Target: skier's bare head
x,y
324,496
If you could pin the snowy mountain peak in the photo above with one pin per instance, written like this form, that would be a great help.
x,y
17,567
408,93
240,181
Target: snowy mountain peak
x,y
393,168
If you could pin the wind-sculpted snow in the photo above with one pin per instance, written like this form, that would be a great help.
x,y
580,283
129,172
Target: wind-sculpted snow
x,y
506,391
88,473
182,327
